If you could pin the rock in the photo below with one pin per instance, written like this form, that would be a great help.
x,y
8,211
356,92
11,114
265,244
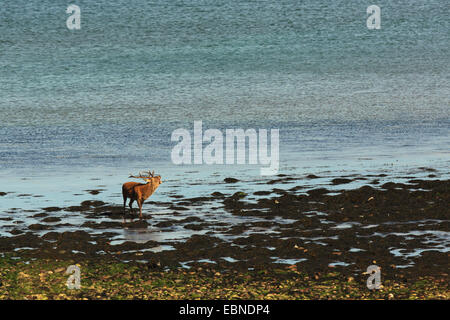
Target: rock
x,y
38,226
239,195
51,219
340,181
217,194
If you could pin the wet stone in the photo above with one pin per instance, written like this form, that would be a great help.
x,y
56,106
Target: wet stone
x,y
218,194
92,203
340,181
40,215
37,226
52,209
164,224
51,219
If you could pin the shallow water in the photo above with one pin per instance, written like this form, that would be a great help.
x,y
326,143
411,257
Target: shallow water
x,y
219,222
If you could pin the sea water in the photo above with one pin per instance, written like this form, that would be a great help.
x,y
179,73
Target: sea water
x,y
101,102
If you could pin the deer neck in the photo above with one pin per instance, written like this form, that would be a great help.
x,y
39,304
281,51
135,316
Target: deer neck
x,y
149,188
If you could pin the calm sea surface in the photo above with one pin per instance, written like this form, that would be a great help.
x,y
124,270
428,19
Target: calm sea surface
x,y
102,101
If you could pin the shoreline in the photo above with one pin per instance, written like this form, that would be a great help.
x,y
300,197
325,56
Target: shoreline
x,y
401,227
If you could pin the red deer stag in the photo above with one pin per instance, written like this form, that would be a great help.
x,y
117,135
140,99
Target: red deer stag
x,y
140,191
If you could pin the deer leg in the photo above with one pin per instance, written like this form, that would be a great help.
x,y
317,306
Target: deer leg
x,y
124,203
140,203
131,206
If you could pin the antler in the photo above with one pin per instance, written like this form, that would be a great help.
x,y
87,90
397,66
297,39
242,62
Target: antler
x,y
149,174
140,176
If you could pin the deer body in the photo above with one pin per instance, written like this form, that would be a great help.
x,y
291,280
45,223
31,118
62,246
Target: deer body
x,y
139,192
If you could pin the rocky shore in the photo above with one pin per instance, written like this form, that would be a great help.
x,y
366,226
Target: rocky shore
x,y
401,227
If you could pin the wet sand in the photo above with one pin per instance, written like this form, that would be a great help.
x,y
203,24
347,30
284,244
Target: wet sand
x,y
401,227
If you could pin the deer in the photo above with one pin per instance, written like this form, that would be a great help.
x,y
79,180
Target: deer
x,y
140,192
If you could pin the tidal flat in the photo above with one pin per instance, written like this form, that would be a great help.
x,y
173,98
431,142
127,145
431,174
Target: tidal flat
x,y
289,242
